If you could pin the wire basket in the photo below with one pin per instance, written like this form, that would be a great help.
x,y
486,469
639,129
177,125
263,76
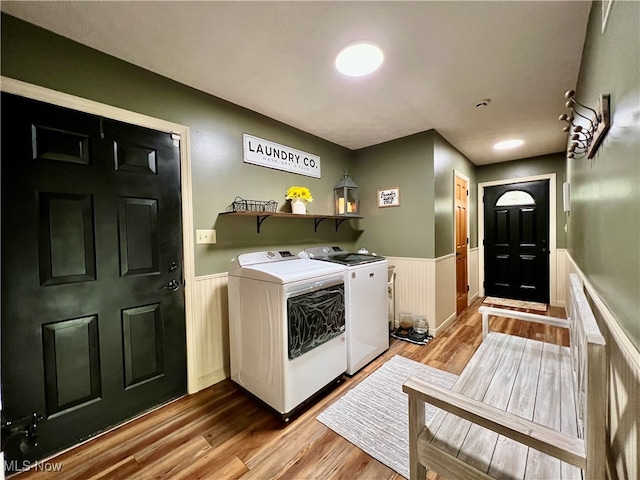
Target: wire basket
x,y
241,205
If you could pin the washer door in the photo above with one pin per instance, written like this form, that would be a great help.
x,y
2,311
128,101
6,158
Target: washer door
x,y
315,315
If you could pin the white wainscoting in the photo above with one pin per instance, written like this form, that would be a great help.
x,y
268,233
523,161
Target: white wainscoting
x,y
445,287
413,284
472,268
426,286
623,378
561,278
209,362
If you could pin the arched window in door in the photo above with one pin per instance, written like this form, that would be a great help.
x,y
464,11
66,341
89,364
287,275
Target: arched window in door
x,y
515,197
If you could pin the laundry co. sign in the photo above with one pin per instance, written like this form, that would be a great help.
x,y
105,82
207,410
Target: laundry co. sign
x,y
258,151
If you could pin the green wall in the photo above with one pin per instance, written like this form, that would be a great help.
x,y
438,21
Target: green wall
x,y
422,165
407,163
447,159
529,167
604,224
37,56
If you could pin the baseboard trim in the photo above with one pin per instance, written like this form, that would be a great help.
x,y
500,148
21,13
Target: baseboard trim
x,y
212,378
445,324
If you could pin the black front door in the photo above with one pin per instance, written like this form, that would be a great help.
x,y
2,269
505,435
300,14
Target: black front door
x,y
516,248
91,233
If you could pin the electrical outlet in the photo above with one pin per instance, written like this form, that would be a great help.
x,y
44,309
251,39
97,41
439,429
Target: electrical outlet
x,y
205,236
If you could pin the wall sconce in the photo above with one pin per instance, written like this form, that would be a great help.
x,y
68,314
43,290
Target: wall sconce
x,y
345,195
587,129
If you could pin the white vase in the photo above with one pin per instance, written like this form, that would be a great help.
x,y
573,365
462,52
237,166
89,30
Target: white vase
x,y
298,206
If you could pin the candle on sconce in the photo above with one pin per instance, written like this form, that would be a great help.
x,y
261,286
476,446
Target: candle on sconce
x,y
341,205
349,207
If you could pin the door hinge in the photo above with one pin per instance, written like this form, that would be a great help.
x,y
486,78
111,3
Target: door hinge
x,y
467,240
467,288
484,284
467,193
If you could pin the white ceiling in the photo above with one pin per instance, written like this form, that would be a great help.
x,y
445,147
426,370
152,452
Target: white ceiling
x,y
276,58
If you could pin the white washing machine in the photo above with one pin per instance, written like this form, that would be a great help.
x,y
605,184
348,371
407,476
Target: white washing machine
x,y
286,327
367,303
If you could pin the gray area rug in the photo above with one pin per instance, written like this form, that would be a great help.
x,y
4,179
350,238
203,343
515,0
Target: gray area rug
x,y
374,414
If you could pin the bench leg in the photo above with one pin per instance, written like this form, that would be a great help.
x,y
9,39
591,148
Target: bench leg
x,y
416,424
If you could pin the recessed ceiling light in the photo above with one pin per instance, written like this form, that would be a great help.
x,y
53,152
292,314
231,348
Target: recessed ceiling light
x,y
359,59
507,144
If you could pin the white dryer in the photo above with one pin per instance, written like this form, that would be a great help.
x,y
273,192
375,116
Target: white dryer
x,y
286,327
367,303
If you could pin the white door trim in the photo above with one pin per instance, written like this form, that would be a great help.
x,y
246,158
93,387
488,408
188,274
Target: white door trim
x,y
35,92
552,229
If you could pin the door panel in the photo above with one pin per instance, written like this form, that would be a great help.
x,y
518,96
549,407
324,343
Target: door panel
x,y
143,344
72,363
134,159
91,225
501,270
502,229
516,241
60,145
462,280
139,236
66,250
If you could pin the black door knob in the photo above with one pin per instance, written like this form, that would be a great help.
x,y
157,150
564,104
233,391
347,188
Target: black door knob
x,y
173,285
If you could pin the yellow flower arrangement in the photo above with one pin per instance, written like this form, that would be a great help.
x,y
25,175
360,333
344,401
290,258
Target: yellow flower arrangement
x,y
302,193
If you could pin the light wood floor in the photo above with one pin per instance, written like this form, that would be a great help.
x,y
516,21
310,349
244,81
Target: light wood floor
x,y
219,433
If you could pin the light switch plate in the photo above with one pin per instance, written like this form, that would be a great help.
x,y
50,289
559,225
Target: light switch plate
x,y
205,236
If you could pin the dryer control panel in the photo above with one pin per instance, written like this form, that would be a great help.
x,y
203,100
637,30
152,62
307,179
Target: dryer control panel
x,y
253,258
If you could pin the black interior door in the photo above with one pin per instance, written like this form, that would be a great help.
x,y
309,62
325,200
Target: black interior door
x,y
91,233
517,241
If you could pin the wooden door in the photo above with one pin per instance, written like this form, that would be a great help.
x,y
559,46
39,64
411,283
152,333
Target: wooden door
x,y
516,240
91,235
462,241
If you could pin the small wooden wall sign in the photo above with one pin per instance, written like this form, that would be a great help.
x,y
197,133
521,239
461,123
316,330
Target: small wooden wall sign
x,y
389,197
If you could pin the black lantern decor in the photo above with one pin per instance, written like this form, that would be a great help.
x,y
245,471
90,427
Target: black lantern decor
x,y
345,195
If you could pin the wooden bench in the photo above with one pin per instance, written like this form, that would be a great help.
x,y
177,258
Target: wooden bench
x,y
521,408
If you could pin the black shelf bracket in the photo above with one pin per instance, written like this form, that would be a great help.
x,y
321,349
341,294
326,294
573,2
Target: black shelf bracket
x,y
316,222
259,220
339,221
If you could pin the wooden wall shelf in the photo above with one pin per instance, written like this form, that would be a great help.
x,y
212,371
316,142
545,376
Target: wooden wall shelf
x,y
317,219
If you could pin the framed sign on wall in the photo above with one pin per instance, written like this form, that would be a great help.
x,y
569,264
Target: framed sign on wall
x,y
265,153
389,197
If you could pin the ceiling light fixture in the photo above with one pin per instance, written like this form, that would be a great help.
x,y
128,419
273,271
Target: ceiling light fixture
x,y
359,59
508,144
